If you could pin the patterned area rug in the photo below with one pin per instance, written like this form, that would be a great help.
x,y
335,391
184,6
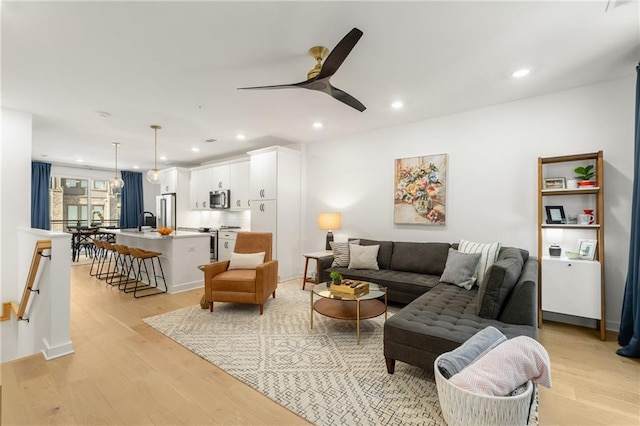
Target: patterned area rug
x,y
320,374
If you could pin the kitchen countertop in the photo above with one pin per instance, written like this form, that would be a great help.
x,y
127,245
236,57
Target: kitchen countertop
x,y
154,235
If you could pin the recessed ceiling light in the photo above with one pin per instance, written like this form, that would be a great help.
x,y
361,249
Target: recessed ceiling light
x,y
163,158
136,167
397,104
79,160
520,73
195,149
240,137
317,125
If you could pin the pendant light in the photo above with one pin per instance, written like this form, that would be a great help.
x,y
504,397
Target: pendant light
x,y
153,175
116,184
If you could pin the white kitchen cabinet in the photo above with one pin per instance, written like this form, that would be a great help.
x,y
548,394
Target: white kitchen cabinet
x,y
176,180
571,287
264,216
201,185
219,178
239,185
274,179
226,244
168,181
264,175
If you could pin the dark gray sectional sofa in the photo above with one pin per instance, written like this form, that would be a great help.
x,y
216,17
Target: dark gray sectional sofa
x,y
438,316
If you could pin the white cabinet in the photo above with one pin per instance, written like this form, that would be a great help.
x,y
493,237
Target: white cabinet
x,y
571,287
264,216
219,177
264,176
239,185
226,244
176,180
201,185
169,181
274,180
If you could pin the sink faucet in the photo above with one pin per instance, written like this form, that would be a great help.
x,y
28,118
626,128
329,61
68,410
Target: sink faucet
x,y
141,218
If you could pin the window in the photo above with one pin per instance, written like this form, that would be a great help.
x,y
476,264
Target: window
x,y
100,185
82,202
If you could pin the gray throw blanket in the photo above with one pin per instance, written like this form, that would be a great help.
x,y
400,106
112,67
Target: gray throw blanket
x,y
475,347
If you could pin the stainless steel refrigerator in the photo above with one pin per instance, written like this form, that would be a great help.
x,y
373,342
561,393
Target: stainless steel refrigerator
x,y
166,211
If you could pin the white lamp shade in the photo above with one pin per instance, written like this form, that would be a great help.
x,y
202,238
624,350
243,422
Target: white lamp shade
x,y
153,176
329,221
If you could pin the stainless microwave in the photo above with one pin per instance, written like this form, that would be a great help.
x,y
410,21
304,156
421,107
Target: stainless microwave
x,y
219,199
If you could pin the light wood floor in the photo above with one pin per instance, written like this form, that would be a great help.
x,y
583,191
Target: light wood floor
x,y
123,372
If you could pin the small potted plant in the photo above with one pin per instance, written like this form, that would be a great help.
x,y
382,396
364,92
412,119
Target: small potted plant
x,y
336,277
585,174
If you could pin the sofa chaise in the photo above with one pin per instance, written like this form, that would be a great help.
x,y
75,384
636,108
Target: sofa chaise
x,y
439,316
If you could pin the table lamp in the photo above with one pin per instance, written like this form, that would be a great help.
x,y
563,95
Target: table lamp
x,y
328,222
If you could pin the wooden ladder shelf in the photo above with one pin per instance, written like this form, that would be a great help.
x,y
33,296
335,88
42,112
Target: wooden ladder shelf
x,y
18,310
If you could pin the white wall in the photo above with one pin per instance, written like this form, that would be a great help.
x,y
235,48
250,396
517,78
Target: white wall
x,y
48,312
15,182
492,173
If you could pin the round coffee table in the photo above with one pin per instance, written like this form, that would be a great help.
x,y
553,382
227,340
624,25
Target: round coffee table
x,y
349,306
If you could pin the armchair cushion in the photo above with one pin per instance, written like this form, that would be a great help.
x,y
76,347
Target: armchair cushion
x,y
246,260
236,280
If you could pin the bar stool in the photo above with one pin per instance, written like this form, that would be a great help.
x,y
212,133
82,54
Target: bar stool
x,y
124,264
142,258
98,254
108,260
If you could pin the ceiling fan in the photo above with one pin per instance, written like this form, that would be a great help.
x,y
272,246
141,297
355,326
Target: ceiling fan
x,y
318,77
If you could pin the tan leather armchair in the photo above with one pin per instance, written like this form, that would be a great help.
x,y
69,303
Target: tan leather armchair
x,y
251,286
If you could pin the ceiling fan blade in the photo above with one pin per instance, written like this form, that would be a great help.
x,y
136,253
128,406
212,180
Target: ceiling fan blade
x,y
346,98
339,53
277,86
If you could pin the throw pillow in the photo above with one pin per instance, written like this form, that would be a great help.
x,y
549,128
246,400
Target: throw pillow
x,y
363,257
341,253
246,260
501,278
488,251
460,269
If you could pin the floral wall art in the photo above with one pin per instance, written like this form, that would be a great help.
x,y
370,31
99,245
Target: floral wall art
x,y
420,190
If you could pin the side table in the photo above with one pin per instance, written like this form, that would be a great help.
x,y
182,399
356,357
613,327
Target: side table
x,y
316,256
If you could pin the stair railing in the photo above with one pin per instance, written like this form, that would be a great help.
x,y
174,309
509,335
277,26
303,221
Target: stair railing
x,y
19,310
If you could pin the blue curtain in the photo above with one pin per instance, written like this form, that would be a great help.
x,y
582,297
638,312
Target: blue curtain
x,y
629,336
40,210
132,203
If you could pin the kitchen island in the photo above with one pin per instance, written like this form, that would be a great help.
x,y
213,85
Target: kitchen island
x,y
182,252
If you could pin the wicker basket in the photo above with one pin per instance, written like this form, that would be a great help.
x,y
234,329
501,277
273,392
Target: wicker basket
x,y
461,407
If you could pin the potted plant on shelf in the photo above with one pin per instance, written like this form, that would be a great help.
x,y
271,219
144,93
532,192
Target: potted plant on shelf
x,y
336,277
585,174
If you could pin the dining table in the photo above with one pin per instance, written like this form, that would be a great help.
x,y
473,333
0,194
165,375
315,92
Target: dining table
x,y
82,238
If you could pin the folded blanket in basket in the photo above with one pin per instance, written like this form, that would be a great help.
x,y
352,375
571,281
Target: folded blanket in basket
x,y
506,367
476,346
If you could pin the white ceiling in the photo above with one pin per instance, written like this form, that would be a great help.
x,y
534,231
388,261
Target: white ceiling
x,y
178,65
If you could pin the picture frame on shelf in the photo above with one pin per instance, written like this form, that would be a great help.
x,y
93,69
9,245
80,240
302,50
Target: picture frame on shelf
x,y
555,215
555,183
587,249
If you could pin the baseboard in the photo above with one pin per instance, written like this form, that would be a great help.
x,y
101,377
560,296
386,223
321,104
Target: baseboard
x,y
579,321
185,287
52,352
